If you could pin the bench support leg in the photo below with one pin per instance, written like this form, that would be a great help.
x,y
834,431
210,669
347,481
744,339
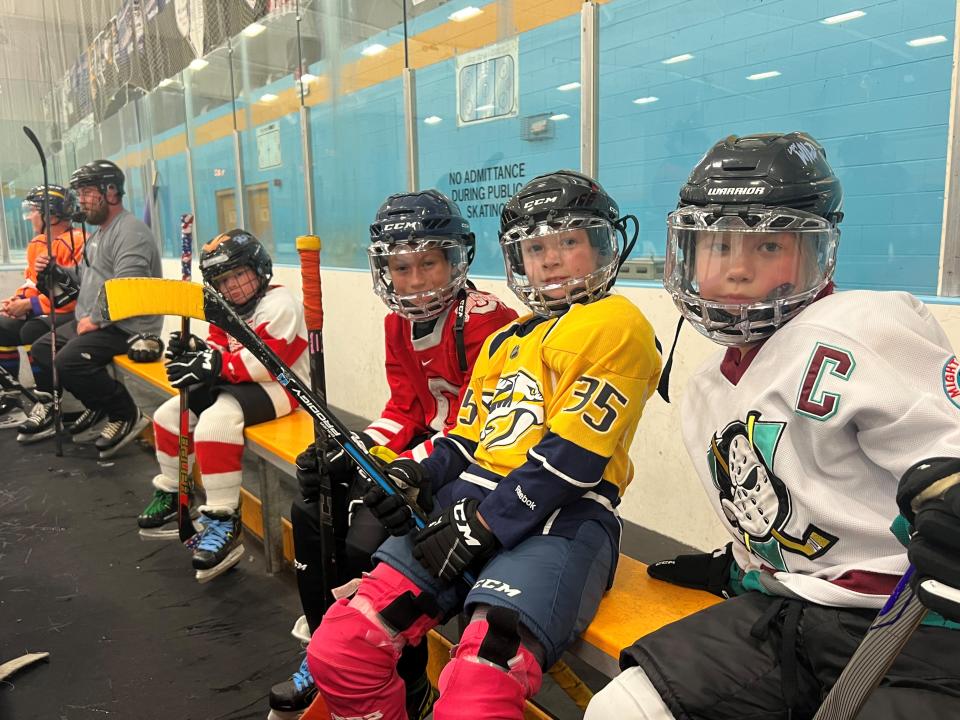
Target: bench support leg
x,y
269,499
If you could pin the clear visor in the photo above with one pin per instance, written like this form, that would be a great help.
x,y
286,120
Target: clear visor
x,y
554,264
27,207
737,260
420,279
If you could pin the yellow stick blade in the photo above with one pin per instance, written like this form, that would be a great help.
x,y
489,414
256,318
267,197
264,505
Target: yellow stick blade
x,y
129,297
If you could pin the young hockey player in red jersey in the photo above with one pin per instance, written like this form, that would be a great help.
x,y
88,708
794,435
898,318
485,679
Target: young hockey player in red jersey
x,y
526,485
229,389
800,432
421,248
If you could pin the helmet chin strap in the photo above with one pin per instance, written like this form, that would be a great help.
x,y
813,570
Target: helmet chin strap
x,y
621,227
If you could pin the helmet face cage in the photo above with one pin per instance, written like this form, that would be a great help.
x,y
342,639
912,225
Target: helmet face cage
x,y
539,257
708,250
63,201
391,261
232,250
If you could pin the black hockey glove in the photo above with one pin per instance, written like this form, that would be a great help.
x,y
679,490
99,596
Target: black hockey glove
x,y
195,368
144,347
701,571
929,497
455,540
339,466
65,285
393,511
176,345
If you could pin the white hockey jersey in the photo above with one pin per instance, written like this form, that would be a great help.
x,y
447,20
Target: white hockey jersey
x,y
800,445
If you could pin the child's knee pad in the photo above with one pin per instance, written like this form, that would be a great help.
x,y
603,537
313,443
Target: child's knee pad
x,y
492,673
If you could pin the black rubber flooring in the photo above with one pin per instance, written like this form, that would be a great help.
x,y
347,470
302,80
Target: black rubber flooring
x,y
130,633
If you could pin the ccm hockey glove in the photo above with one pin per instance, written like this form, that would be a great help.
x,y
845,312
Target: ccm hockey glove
x,y
700,571
393,511
455,540
195,368
929,497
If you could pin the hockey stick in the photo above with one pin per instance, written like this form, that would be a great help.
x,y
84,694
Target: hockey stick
x,y
900,616
184,479
122,298
57,417
7,382
308,247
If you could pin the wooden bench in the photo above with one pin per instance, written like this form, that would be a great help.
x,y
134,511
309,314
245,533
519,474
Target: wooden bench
x,y
635,606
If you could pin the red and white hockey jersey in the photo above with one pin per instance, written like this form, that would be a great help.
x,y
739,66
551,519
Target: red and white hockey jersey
x,y
426,382
278,319
800,445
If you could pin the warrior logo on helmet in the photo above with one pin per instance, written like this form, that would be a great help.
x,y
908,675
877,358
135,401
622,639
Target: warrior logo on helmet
x,y
754,500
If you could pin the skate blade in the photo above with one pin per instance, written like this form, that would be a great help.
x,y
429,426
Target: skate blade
x,y
301,630
30,438
228,562
88,435
285,714
160,533
131,436
12,419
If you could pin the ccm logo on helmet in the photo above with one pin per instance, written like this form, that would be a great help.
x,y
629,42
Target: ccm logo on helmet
x,y
755,190
408,225
540,201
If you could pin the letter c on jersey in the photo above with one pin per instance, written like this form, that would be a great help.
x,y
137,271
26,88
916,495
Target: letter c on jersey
x,y
811,401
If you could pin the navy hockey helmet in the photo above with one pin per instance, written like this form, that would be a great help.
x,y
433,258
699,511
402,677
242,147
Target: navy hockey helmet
x,y
63,201
232,250
101,174
406,226
772,197
545,213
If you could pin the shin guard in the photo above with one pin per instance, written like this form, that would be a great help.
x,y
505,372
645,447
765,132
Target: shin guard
x,y
491,673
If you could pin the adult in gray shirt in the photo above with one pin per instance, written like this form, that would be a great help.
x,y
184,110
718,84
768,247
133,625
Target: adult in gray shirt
x,y
122,246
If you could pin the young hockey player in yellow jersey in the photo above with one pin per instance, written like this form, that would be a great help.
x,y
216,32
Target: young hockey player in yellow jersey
x,y
525,486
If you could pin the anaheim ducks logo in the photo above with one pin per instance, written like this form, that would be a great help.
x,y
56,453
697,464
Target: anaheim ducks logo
x,y
516,406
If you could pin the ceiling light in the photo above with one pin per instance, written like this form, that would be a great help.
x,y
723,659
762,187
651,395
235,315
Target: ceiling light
x,y
268,97
932,40
468,12
677,59
559,116
843,17
432,120
198,64
371,50
253,29
764,75
645,100
568,86
165,82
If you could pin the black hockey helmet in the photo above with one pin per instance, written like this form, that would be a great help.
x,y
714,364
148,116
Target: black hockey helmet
x,y
769,169
410,223
552,204
235,249
63,201
753,194
101,174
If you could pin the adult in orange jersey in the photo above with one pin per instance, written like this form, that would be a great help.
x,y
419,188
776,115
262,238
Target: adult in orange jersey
x,y
25,315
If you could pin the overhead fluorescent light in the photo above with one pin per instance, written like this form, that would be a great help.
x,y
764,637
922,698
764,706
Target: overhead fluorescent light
x,y
677,59
268,97
432,120
374,49
843,17
198,64
308,78
568,86
559,116
764,75
468,12
165,82
645,100
932,40
484,108
253,29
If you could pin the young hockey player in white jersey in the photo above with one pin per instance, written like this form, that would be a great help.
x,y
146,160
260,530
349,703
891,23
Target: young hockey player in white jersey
x,y
800,432
229,389
526,485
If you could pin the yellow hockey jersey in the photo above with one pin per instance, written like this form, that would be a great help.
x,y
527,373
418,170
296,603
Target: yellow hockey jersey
x,y
545,426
